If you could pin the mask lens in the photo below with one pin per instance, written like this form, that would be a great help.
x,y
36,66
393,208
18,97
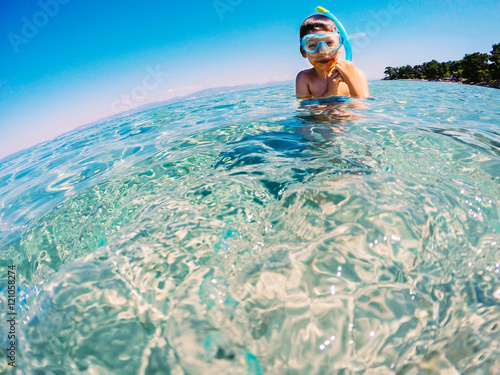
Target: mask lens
x,y
312,42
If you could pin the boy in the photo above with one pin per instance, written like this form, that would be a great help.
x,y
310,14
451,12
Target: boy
x,y
329,75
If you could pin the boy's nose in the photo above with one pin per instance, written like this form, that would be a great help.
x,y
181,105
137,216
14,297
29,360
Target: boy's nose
x,y
322,48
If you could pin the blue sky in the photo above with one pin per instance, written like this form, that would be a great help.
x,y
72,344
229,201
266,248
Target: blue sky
x,y
64,63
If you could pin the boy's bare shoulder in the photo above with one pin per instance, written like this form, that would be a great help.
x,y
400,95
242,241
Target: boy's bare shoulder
x,y
302,84
361,73
305,74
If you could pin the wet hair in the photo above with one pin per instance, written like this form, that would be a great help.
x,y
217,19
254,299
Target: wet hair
x,y
317,22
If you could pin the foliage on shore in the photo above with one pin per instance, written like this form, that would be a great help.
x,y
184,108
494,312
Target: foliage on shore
x,y
474,68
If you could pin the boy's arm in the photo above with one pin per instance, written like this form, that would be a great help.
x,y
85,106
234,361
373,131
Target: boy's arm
x,y
302,86
354,78
364,82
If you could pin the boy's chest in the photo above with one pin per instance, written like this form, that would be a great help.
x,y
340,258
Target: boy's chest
x,y
322,88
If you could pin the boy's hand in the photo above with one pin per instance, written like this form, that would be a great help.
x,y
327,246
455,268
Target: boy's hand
x,y
332,84
358,86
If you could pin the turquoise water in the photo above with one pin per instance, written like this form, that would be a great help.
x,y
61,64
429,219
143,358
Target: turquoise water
x,y
240,234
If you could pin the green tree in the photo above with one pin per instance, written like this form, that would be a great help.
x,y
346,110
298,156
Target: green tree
x,y
476,67
445,69
495,59
407,72
431,69
399,72
390,72
456,69
418,72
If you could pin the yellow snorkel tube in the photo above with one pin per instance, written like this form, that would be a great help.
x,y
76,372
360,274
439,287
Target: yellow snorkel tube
x,y
343,34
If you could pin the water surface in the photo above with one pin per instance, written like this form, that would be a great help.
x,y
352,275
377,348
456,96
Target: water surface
x,y
241,234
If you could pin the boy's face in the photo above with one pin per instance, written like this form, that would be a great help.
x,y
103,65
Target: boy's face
x,y
322,59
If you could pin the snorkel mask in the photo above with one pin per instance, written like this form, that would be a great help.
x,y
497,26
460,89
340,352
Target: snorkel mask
x,y
312,42
344,38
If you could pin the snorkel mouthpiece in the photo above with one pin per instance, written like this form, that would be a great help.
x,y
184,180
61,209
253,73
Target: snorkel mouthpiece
x,y
343,34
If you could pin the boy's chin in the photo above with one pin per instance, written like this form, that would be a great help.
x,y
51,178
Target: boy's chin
x,y
325,64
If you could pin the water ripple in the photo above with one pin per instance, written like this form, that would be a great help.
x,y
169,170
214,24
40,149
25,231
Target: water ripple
x,y
241,234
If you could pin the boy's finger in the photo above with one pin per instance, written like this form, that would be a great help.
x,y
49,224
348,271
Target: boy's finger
x,y
340,72
339,67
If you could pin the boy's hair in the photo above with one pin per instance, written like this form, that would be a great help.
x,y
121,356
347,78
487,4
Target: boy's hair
x,y
317,22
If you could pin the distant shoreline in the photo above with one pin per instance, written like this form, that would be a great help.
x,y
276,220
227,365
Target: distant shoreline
x,y
495,85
